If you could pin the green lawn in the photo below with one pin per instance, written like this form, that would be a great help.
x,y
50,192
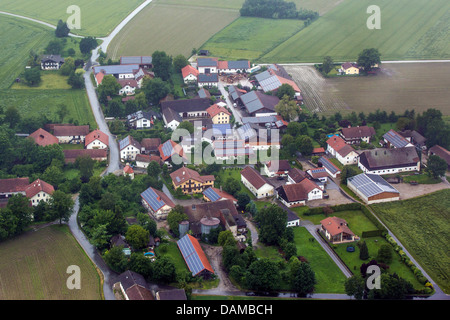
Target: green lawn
x,y
96,18
330,278
422,226
422,179
49,80
33,267
250,38
410,29
234,174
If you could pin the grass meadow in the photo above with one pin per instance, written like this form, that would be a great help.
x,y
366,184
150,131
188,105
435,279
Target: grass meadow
x,y
33,267
97,18
422,226
410,29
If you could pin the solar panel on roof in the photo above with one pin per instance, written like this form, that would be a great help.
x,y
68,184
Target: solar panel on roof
x,y
371,185
211,194
124,142
167,148
190,255
151,197
395,139
327,164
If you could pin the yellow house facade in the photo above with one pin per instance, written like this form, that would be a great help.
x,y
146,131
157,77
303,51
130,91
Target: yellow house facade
x,y
350,68
190,181
218,114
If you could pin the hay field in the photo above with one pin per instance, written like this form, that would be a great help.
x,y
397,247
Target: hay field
x,y
175,29
34,265
98,18
410,29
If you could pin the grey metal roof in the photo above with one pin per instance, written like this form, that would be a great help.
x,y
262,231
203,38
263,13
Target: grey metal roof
x,y
371,184
395,139
117,69
212,77
255,101
206,62
190,255
241,64
271,83
263,76
136,60
329,165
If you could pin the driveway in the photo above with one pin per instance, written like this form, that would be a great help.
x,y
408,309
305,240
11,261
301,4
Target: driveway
x,y
408,191
236,114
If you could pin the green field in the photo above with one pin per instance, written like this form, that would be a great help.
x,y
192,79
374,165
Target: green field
x,y
250,38
173,28
410,29
34,267
96,17
19,37
34,102
422,226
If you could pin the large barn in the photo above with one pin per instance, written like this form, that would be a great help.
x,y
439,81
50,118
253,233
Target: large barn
x,y
372,188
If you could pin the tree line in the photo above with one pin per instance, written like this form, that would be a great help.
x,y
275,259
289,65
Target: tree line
x,y
276,9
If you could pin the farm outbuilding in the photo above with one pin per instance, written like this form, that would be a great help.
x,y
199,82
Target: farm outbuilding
x,y
372,188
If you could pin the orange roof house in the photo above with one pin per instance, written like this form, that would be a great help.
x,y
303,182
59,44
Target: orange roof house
x,y
43,138
189,73
216,109
336,230
96,140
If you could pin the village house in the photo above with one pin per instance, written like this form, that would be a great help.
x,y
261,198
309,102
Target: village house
x,y
176,111
128,171
43,138
36,191
157,203
218,114
71,134
208,80
354,135
126,71
415,138
372,188
190,74
129,148
297,194
336,230
392,139
278,168
214,194
96,140
150,145
207,65
51,62
389,161
256,183
319,175
295,175
231,150
349,68
140,120
439,151
343,152
170,149
143,160
274,77
134,287
190,181
128,86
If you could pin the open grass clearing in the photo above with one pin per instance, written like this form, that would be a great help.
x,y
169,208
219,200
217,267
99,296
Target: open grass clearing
x,y
422,226
34,264
410,29
175,29
49,80
97,18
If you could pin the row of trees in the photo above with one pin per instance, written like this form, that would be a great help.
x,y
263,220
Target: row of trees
x,y
276,9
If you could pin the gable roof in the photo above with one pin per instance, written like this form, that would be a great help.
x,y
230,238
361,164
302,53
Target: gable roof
x,y
330,166
207,62
186,105
441,152
187,70
96,135
253,177
151,144
216,109
396,139
129,141
358,132
348,65
193,255
43,138
296,174
62,131
371,184
136,60
116,69
53,58
130,278
214,194
255,101
185,174
335,226
71,155
389,158
37,186
169,148
13,185
278,165
317,173
211,77
156,199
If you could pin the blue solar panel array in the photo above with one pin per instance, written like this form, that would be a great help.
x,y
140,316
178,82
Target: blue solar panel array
x,y
395,139
191,257
151,197
328,165
211,194
125,142
167,148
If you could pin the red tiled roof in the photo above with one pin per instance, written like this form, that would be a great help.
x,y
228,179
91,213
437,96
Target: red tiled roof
x,y
96,135
335,226
339,145
216,109
61,131
13,185
358,132
128,169
318,150
253,177
224,194
72,155
187,70
136,292
99,76
176,149
38,186
185,174
128,82
43,138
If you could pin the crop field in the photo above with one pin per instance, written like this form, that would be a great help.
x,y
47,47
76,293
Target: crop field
x,y
422,226
397,87
34,267
96,17
249,38
410,29
34,102
175,29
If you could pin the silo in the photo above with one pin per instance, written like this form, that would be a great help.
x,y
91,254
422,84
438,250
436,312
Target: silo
x,y
208,224
183,227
